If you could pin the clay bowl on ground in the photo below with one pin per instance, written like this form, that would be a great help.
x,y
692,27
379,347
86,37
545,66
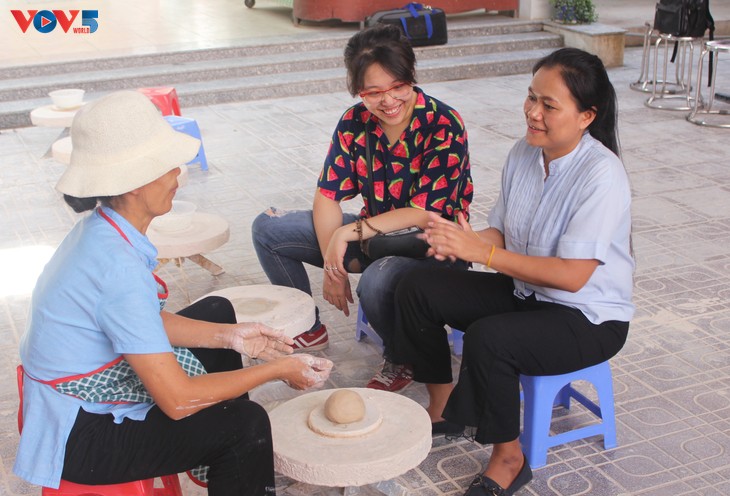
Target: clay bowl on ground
x,y
67,99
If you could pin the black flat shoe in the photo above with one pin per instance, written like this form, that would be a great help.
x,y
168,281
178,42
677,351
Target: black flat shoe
x,y
446,427
522,478
484,486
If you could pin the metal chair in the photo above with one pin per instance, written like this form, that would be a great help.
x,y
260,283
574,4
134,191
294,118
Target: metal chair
x,y
703,110
643,84
662,91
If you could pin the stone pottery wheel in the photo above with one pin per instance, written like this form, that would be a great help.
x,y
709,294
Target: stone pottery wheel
x,y
393,437
279,307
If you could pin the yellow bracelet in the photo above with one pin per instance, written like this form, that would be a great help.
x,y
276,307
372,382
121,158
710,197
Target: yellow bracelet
x,y
491,254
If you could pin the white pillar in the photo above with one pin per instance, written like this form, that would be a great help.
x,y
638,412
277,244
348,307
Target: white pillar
x,y
534,9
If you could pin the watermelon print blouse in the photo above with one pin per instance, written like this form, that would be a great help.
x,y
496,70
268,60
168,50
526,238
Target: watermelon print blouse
x,y
427,168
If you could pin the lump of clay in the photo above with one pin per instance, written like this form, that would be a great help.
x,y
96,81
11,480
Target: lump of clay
x,y
344,406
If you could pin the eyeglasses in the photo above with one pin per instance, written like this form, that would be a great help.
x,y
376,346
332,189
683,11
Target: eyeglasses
x,y
397,91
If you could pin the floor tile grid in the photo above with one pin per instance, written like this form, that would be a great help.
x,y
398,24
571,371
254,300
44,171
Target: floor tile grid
x,y
671,379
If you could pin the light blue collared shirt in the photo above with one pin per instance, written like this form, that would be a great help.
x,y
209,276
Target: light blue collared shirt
x,y
95,300
582,210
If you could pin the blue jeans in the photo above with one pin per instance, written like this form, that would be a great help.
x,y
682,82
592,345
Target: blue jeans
x,y
286,240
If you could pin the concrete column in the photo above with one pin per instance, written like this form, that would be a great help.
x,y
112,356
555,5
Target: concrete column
x,y
534,9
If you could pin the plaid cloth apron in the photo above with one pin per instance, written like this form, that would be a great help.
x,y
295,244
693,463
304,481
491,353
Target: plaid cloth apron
x,y
116,382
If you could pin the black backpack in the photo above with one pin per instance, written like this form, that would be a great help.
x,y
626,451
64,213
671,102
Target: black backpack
x,y
684,18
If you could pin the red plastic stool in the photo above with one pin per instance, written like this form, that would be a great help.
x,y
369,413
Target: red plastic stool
x,y
164,98
170,483
171,487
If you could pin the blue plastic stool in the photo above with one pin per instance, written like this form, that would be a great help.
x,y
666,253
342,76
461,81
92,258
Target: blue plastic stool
x,y
542,393
189,127
362,328
457,339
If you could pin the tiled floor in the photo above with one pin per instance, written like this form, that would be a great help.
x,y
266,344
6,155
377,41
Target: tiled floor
x,y
672,379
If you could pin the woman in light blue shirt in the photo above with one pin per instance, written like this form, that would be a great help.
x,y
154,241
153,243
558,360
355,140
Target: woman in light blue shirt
x,y
115,388
560,243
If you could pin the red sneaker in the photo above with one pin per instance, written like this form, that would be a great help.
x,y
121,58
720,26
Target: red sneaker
x,y
392,378
312,340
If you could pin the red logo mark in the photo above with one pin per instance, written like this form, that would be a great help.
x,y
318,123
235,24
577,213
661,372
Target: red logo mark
x,y
21,20
60,16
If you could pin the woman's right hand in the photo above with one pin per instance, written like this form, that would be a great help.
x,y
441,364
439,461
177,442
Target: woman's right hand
x,y
303,371
453,241
336,282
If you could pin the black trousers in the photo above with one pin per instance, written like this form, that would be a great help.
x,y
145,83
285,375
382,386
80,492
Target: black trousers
x,y
233,437
504,337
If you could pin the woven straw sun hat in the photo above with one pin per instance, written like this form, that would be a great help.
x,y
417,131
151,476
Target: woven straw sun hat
x,y
121,142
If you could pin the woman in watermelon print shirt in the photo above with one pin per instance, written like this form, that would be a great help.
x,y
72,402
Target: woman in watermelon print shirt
x,y
420,162
560,241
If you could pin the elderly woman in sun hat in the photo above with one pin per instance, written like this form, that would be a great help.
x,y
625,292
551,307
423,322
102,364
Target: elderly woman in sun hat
x,y
117,389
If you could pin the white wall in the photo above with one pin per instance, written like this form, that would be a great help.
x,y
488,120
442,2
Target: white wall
x,y
534,9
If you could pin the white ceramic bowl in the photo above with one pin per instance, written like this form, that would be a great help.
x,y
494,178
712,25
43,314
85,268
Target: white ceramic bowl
x,y
68,98
177,219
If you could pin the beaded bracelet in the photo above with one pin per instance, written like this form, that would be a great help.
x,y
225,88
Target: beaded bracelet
x,y
358,228
371,227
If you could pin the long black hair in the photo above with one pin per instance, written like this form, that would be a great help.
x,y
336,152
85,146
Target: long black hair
x,y
585,76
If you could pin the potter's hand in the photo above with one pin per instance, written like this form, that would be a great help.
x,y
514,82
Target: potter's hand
x,y
303,371
258,341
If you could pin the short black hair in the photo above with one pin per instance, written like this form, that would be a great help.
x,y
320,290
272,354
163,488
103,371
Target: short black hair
x,y
382,44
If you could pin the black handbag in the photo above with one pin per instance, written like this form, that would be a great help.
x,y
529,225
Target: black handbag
x,y
402,243
422,25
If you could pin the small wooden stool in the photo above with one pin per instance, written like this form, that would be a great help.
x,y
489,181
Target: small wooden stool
x,y
206,233
61,150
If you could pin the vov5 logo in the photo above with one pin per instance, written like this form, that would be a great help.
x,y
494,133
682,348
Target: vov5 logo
x,y
45,21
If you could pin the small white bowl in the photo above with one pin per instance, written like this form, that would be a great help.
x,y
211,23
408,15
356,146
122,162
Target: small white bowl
x,y
177,219
67,99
